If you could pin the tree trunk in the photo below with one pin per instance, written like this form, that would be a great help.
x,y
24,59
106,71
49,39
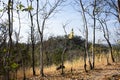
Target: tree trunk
x,y
47,58
23,66
41,56
119,9
93,44
107,57
47,11
106,36
110,49
32,38
10,20
86,38
62,58
33,60
41,40
85,65
33,43
107,39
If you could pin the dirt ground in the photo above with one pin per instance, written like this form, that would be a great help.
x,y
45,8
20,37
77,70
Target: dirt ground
x,y
104,72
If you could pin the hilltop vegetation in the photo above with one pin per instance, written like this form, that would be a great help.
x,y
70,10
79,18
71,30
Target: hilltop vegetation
x,y
53,48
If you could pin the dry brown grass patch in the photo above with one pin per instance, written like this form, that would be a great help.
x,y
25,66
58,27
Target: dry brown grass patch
x,y
76,65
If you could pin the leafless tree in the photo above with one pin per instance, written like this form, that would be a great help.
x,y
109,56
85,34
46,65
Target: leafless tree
x,y
86,39
17,36
94,13
94,27
10,20
105,30
17,33
100,11
45,10
32,34
65,47
86,35
113,8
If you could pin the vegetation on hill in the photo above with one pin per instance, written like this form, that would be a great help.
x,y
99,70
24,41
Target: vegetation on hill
x,y
53,48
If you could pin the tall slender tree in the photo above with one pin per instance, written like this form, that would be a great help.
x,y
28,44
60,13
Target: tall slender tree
x,y
106,36
86,37
45,10
32,35
83,13
10,20
103,19
17,36
65,48
94,27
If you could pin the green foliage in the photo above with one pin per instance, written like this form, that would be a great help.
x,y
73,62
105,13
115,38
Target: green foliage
x,y
77,42
55,45
57,56
20,6
14,66
29,8
1,10
4,50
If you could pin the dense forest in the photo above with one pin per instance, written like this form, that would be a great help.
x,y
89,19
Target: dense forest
x,y
38,51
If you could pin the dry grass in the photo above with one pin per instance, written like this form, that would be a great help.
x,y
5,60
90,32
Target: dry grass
x,y
75,65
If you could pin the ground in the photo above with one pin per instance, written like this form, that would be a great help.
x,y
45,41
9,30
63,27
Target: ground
x,y
102,72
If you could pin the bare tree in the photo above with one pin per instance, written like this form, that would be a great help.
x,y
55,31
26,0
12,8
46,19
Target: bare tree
x,y
113,8
32,35
65,47
47,9
17,33
94,27
96,8
106,36
10,20
86,35
17,36
94,4
100,11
